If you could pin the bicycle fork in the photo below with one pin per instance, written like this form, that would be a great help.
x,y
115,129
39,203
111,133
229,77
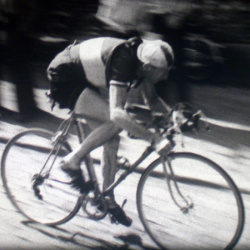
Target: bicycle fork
x,y
58,141
39,178
185,203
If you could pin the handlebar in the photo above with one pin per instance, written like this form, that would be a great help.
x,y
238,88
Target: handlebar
x,y
182,118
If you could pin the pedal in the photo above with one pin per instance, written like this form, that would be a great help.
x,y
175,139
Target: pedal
x,y
123,162
124,203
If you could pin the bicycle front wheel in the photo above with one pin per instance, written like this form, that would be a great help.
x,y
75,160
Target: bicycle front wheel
x,y
186,201
25,156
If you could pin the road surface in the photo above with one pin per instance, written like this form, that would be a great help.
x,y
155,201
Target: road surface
x,y
228,146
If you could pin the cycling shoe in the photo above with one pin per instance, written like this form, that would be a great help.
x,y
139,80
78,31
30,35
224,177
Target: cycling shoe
x,y
77,180
117,215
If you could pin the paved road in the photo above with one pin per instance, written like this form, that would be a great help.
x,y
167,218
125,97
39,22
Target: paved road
x,y
88,233
227,147
81,232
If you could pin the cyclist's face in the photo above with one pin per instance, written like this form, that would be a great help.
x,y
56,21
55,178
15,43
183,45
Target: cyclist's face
x,y
154,74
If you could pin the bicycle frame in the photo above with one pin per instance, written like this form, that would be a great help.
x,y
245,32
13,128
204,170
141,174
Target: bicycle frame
x,y
169,171
81,132
127,172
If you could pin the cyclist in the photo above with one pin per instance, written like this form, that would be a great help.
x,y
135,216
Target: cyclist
x,y
111,68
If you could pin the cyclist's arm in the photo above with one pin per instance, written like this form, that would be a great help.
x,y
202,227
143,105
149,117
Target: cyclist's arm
x,y
155,103
118,114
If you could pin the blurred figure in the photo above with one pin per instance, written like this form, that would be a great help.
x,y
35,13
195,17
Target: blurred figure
x,y
127,17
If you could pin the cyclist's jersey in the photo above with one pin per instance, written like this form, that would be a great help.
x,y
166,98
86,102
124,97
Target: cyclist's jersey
x,y
110,61
94,63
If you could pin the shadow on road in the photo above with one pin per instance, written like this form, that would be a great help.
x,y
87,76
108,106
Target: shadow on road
x,y
227,137
85,241
41,119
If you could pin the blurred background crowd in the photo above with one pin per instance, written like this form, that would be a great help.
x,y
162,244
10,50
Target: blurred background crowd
x,y
210,38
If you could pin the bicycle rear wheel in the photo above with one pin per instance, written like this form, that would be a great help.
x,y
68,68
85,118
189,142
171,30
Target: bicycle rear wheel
x,y
23,158
196,206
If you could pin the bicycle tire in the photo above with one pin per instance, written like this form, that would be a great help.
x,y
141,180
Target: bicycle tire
x,y
22,158
216,219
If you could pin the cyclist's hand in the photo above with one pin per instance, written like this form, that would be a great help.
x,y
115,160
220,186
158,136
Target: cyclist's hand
x,y
178,118
162,145
161,118
185,122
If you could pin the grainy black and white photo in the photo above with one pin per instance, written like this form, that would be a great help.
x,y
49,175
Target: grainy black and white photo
x,y
124,124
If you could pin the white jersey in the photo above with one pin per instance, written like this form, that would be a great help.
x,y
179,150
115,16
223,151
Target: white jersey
x,y
91,57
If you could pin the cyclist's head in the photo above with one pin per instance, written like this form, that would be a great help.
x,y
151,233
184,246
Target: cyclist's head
x,y
156,53
157,59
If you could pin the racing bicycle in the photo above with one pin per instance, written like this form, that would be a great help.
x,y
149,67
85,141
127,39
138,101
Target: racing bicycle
x,y
184,200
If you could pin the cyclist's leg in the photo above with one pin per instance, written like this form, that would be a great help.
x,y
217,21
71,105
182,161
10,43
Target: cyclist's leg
x,y
103,132
91,103
109,166
109,162
110,146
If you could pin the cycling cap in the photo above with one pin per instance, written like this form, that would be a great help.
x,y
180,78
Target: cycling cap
x,y
156,53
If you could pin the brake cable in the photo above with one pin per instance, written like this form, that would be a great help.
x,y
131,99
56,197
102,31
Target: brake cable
x,y
184,209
